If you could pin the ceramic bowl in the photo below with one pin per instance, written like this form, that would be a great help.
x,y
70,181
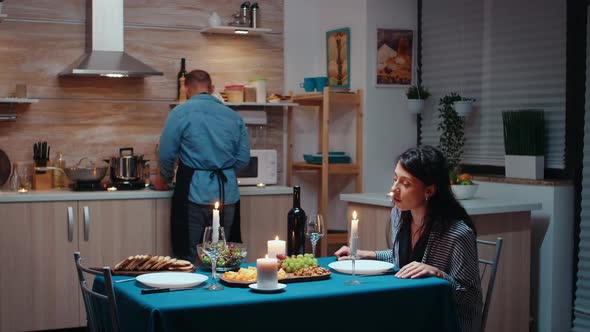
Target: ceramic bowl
x,y
466,191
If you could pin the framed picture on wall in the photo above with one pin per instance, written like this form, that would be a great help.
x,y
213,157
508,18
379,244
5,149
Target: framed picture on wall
x,y
395,57
338,58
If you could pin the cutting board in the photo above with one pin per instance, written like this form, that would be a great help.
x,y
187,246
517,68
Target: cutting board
x,y
291,278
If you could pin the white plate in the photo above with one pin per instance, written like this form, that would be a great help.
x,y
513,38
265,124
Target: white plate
x,y
171,279
362,266
255,288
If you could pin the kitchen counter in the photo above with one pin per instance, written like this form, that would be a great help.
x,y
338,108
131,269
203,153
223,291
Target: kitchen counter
x,y
475,206
61,195
494,216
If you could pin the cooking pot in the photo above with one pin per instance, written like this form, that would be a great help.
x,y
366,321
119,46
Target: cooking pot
x,y
127,167
85,172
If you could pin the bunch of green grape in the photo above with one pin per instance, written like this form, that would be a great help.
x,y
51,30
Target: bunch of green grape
x,y
294,263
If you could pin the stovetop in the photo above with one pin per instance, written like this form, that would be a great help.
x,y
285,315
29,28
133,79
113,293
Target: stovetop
x,y
98,186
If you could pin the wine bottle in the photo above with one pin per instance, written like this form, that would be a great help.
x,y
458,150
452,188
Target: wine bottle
x,y
181,73
296,219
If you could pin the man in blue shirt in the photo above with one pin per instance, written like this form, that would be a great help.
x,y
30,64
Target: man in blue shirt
x,y
211,142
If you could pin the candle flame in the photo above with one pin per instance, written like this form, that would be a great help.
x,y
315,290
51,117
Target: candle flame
x,y
354,214
276,238
216,205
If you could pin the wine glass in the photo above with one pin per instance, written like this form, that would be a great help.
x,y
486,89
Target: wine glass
x,y
213,244
315,229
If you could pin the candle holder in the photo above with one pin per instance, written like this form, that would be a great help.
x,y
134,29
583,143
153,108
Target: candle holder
x,y
353,253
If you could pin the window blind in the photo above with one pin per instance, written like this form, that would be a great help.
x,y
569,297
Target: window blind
x,y
582,302
507,55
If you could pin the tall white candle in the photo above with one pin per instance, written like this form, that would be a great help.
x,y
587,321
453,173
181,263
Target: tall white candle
x,y
275,247
216,222
354,224
266,270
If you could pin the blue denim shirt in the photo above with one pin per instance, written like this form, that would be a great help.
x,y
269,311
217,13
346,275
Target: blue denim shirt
x,y
206,135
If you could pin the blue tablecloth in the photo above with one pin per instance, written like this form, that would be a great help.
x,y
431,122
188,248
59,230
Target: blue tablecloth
x,y
380,301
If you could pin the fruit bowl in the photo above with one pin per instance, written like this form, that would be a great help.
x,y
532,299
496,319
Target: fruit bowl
x,y
231,257
464,191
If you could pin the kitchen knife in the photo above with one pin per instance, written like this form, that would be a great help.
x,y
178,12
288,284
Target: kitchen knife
x,y
164,290
35,152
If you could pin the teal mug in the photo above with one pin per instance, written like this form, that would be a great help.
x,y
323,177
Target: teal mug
x,y
320,83
308,84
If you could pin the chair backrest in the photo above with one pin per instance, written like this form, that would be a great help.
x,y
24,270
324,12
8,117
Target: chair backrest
x,y
101,309
488,267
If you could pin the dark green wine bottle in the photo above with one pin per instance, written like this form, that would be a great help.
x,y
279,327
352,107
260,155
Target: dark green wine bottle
x,y
296,219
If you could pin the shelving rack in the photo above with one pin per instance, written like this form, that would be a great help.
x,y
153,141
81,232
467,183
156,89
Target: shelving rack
x,y
325,103
11,101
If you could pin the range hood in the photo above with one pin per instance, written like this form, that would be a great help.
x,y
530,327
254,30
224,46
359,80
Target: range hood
x,y
105,55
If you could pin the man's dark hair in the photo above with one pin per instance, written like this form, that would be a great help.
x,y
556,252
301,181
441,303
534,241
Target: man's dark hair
x,y
197,76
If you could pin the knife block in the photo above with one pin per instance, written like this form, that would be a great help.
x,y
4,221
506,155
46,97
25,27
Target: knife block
x,y
42,180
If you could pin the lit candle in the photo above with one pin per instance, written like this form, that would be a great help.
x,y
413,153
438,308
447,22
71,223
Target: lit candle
x,y
354,224
275,247
216,222
266,270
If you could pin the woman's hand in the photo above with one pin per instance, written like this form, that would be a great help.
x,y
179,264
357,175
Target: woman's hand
x,y
344,254
418,270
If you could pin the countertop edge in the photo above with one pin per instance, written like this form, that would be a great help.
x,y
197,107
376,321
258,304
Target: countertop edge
x,y
474,206
55,196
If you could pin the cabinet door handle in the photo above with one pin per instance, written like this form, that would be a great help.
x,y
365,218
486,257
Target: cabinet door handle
x,y
86,223
70,224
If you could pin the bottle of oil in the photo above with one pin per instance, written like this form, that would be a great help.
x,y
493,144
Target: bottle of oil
x,y
59,177
181,74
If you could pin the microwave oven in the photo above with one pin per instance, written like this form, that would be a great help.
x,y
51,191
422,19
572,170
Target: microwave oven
x,y
262,168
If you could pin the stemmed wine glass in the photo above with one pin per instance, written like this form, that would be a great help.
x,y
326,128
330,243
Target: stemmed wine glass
x,y
315,229
213,244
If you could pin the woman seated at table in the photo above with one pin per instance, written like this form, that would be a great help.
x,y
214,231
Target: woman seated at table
x,y
431,232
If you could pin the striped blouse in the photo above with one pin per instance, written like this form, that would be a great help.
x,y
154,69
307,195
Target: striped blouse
x,y
454,252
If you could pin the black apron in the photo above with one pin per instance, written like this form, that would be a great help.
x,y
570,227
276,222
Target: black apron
x,y
179,209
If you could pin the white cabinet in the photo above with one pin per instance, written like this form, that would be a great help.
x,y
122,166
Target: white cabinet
x,y
38,280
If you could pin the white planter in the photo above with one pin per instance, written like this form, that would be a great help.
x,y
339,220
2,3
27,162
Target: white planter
x,y
525,167
415,106
463,107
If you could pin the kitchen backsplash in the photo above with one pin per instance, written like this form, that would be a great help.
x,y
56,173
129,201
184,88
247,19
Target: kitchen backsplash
x,y
96,116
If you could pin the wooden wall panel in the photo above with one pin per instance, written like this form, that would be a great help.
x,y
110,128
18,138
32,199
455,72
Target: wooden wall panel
x,y
96,116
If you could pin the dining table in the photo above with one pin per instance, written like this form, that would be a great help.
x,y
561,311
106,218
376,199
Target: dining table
x,y
380,301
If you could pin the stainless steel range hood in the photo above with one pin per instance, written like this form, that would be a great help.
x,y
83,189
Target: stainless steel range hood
x,y
105,55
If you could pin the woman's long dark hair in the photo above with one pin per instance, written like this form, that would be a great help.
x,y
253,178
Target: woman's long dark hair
x,y
430,166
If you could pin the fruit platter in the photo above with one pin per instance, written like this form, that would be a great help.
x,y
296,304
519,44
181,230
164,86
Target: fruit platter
x,y
298,268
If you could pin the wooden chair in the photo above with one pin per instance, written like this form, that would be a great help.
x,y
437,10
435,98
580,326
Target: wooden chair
x,y
488,268
101,309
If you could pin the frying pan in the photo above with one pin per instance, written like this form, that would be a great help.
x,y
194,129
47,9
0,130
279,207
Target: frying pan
x,y
4,167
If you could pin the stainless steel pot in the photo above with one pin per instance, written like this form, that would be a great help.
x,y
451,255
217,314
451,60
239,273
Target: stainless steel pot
x,y
127,167
85,172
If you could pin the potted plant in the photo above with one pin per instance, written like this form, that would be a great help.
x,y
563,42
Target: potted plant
x,y
451,126
464,106
524,143
416,95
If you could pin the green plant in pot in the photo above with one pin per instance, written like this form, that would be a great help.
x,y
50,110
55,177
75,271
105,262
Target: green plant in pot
x,y
416,95
524,143
464,106
452,137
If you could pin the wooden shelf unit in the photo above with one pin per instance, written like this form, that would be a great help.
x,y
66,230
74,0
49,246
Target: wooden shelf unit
x,y
11,101
326,102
